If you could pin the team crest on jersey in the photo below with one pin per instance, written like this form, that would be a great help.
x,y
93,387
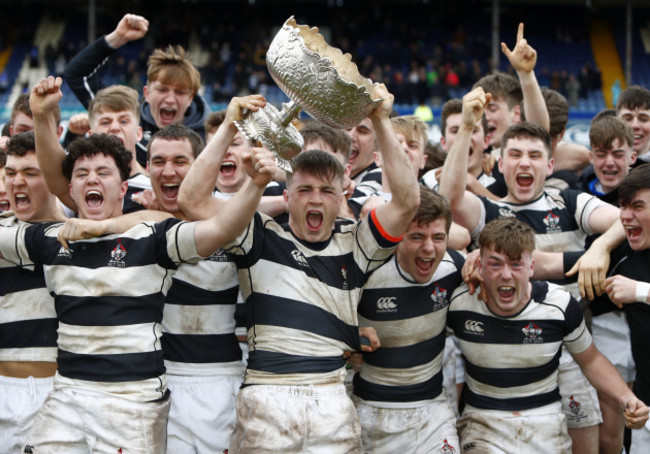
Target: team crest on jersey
x,y
474,327
117,255
552,222
299,258
439,297
29,449
533,334
574,406
63,252
219,256
447,448
505,212
387,304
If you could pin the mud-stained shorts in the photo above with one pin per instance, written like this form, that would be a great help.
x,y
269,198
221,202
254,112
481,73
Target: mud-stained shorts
x,y
202,413
453,371
20,399
641,440
611,335
76,422
430,428
579,398
538,431
295,419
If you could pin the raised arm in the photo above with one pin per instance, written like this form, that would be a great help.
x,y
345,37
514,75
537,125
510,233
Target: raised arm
x,y
195,195
79,229
606,379
82,72
523,59
395,215
43,99
234,215
465,206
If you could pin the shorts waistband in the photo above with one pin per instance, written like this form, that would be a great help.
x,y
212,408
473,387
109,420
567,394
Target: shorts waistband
x,y
302,390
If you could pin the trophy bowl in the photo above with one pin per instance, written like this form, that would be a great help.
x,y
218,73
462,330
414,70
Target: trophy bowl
x,y
318,78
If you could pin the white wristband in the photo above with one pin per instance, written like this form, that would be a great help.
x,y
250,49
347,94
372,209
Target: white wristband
x,y
642,290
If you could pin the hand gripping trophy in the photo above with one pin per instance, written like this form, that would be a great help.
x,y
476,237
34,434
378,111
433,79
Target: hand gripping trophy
x,y
318,78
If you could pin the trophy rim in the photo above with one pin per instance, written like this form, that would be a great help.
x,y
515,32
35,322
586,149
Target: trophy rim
x,y
346,77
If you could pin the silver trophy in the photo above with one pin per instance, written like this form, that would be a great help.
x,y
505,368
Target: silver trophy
x,y
318,78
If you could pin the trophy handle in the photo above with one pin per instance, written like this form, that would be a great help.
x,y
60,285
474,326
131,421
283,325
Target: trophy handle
x,y
267,126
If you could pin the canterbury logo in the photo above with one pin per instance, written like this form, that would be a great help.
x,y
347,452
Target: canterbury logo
x,y
475,327
387,303
298,257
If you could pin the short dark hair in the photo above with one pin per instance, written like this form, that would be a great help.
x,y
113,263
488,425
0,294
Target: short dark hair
x,y
637,179
633,97
21,144
432,207
115,98
502,86
508,236
338,139
602,114
214,120
604,131
318,163
452,107
95,144
527,130
178,132
558,110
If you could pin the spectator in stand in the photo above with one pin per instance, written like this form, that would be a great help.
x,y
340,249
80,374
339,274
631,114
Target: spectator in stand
x,y
171,93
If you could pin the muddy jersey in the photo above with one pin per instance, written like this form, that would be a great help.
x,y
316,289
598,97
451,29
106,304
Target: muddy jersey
x,y
410,319
109,294
560,221
511,363
302,297
27,316
199,318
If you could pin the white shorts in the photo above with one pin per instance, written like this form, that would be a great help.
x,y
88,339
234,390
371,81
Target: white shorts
x,y
202,413
537,431
82,421
428,428
20,399
579,398
611,335
453,371
640,440
295,419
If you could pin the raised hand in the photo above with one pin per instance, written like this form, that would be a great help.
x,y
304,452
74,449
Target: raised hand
x,y
237,107
45,96
522,57
130,28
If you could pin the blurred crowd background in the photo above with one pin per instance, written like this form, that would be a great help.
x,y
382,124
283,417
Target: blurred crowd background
x,y
424,51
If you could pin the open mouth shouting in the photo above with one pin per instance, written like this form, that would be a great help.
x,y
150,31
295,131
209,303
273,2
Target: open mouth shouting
x,y
21,200
170,190
94,199
525,180
423,265
633,232
228,169
506,292
167,115
4,205
314,220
